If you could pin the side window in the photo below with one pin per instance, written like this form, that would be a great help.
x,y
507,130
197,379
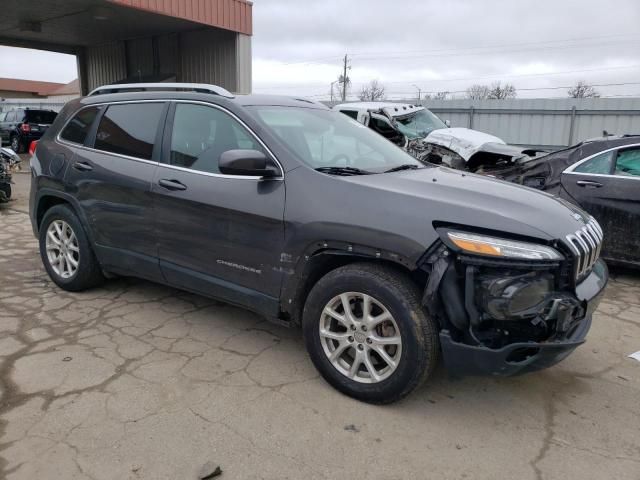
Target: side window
x,y
201,134
77,129
11,116
129,129
350,113
600,164
628,163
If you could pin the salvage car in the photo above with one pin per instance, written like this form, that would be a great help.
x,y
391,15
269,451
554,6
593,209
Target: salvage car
x,y
9,163
423,135
385,262
21,126
600,175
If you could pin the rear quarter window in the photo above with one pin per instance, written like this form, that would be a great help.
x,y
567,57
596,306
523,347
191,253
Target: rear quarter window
x,y
77,129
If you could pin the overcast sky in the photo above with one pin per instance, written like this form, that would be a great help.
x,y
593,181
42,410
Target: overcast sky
x,y
445,45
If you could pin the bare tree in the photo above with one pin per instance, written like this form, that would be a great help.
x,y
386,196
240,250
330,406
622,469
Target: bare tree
x,y
372,92
500,92
441,95
341,85
583,90
478,92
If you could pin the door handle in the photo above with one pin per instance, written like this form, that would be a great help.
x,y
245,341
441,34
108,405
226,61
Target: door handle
x,y
172,184
588,183
82,166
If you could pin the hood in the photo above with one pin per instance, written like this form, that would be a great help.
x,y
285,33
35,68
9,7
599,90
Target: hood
x,y
444,195
464,141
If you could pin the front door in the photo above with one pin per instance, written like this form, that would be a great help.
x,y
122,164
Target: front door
x,y
608,187
219,235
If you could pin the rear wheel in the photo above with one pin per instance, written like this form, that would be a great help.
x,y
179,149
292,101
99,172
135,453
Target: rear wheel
x,y
66,252
367,333
16,145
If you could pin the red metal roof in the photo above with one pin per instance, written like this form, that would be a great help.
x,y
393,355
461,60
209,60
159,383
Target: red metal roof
x,y
235,15
71,88
29,86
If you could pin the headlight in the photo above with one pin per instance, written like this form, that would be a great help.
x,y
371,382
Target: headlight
x,y
500,247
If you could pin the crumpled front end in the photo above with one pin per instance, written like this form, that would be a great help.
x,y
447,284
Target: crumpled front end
x,y
9,163
506,317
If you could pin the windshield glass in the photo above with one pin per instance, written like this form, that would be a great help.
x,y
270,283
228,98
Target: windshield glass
x,y
418,124
326,138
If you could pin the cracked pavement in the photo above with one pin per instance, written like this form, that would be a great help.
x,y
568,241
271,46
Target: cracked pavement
x,y
138,381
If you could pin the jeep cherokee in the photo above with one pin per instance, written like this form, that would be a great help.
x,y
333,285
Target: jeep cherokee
x,y
305,216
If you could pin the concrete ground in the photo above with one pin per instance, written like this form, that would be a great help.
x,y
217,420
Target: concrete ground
x,y
139,381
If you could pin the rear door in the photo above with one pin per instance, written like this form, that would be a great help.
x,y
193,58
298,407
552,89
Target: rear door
x,y
111,175
220,235
607,185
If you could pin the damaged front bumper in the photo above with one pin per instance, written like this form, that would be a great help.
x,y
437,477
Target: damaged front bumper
x,y
475,342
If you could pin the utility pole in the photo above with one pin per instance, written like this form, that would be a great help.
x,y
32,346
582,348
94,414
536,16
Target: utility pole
x,y
344,80
419,92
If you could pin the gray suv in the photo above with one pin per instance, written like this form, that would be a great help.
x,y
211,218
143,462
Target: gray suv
x,y
305,216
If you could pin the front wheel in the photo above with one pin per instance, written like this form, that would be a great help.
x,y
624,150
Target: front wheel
x,y
367,333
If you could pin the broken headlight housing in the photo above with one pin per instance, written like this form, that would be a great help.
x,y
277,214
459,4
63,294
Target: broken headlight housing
x,y
485,245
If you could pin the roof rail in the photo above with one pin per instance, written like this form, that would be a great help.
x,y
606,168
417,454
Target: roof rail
x,y
195,87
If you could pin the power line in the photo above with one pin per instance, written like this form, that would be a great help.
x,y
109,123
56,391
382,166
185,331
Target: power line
x,y
526,89
457,49
565,72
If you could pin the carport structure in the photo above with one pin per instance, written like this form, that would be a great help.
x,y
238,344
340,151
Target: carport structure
x,y
202,41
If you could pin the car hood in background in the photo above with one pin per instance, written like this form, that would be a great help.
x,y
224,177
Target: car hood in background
x,y
463,141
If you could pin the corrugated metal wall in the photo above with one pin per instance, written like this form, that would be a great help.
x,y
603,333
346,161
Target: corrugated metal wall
x,y
551,122
209,56
243,63
105,64
234,15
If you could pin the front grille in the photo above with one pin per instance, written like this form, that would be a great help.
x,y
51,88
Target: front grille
x,y
585,245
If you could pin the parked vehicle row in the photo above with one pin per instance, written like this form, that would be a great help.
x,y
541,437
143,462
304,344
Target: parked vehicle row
x,y
384,261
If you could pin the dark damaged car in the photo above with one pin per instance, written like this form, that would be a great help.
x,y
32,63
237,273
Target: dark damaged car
x,y
603,177
9,163
292,210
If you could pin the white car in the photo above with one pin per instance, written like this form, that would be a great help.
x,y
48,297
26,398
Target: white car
x,y
422,134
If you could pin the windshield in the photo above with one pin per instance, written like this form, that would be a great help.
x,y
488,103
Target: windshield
x,y
418,124
326,138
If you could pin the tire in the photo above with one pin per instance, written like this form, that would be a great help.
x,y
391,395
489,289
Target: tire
x,y
16,144
6,190
86,273
390,292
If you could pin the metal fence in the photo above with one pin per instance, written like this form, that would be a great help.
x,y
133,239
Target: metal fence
x,y
552,122
547,123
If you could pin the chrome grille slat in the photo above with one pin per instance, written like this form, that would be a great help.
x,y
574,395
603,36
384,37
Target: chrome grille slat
x,y
586,244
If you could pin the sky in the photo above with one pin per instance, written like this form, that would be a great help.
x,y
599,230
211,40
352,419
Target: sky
x,y
541,47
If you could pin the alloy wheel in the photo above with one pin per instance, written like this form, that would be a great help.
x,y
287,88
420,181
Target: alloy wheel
x,y
360,337
63,251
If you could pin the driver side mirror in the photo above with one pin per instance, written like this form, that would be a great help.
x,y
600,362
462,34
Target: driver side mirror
x,y
247,163
447,123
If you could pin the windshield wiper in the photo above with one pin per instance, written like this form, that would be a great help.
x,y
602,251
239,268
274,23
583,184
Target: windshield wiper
x,y
407,166
343,171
